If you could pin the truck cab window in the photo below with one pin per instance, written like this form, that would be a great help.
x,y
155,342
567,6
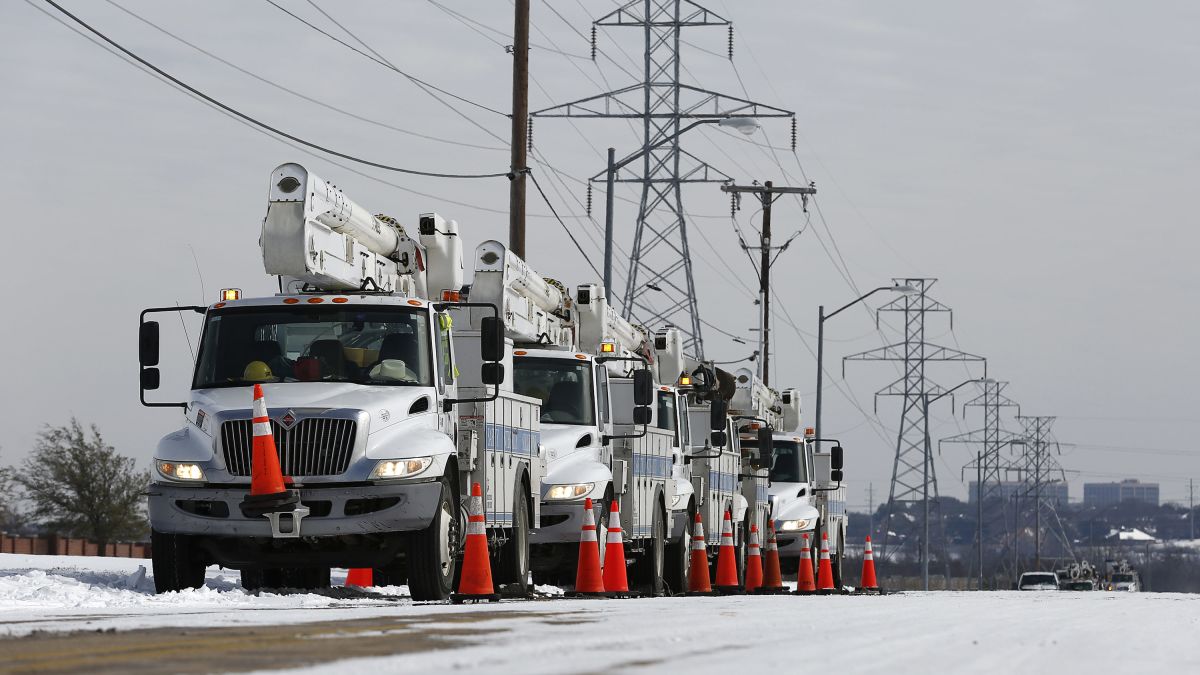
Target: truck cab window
x,y
790,465
666,411
564,388
378,346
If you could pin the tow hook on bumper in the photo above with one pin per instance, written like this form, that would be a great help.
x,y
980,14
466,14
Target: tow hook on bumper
x,y
286,524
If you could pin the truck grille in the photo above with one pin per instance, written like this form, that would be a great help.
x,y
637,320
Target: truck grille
x,y
314,447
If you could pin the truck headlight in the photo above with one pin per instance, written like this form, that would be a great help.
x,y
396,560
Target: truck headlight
x,y
401,468
794,525
180,470
573,491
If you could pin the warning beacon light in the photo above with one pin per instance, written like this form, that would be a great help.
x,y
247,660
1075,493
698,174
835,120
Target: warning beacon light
x,y
608,347
228,294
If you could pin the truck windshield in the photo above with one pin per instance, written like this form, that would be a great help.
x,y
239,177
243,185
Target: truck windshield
x,y
1122,578
564,388
789,466
375,345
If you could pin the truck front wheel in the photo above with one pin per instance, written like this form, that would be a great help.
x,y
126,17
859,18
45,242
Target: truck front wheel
x,y
432,553
679,557
514,554
176,562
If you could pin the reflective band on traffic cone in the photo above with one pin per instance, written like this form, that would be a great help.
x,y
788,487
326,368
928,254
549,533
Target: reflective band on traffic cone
x,y
698,582
727,576
475,582
267,491
824,568
363,577
588,578
615,580
804,577
754,572
773,577
869,583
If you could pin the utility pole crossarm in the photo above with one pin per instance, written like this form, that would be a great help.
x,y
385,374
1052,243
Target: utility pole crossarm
x,y
808,190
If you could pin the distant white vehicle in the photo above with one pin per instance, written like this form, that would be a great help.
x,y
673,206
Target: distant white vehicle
x,y
1125,581
1038,581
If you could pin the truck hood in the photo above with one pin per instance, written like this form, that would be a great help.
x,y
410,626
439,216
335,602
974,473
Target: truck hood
x,y
384,406
782,494
563,440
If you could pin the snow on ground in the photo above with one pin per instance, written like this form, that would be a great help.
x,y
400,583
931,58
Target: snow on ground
x,y
1053,632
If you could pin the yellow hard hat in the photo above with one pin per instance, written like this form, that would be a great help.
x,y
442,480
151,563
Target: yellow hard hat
x,y
257,371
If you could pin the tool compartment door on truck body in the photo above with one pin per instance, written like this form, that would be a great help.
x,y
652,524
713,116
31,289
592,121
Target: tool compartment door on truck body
x,y
507,434
719,471
648,459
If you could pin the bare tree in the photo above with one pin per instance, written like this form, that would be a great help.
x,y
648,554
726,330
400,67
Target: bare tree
x,y
10,514
80,486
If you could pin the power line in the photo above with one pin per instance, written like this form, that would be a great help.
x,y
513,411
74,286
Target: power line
x,y
376,58
566,229
297,94
247,118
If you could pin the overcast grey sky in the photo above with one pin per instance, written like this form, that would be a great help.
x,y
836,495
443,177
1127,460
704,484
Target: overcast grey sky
x,y
1038,158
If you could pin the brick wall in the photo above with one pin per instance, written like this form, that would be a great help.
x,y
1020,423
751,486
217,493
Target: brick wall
x,y
56,545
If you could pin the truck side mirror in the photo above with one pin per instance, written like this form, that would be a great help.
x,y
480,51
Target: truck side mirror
x,y
835,459
641,415
150,379
766,447
717,414
148,345
491,340
643,387
835,475
492,373
719,439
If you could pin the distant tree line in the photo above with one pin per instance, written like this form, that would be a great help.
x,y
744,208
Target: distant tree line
x,y
74,484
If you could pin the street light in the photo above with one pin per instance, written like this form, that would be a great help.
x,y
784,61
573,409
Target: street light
x,y
926,400
746,125
902,289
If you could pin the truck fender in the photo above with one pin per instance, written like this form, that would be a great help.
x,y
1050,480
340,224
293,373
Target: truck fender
x,y
739,507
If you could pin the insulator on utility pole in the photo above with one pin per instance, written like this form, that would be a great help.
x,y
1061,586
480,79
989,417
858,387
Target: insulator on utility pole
x,y
730,42
793,133
529,134
589,200
593,42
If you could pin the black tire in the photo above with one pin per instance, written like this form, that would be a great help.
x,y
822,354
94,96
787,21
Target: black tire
x,y
838,555
513,568
177,564
258,578
679,557
433,552
815,549
649,571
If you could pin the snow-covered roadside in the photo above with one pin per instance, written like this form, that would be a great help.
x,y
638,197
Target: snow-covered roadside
x,y
41,592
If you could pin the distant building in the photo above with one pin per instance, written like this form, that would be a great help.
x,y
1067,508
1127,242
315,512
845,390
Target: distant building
x,y
1052,493
1106,494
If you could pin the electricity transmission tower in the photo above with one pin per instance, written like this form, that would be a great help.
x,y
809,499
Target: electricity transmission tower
x,y
660,259
1037,465
913,476
992,437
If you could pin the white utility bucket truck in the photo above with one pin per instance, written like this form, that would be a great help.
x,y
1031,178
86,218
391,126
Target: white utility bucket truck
x,y
380,429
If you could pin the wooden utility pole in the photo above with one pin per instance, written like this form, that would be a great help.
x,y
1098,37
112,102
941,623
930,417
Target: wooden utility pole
x,y
767,193
520,129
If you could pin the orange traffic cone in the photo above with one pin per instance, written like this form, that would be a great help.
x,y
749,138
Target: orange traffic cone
x,y
698,583
754,572
267,491
825,568
362,577
588,578
615,580
773,581
804,577
475,582
727,576
869,583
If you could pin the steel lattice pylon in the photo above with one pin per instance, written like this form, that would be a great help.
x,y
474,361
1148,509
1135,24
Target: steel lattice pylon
x,y
992,437
660,260
913,474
